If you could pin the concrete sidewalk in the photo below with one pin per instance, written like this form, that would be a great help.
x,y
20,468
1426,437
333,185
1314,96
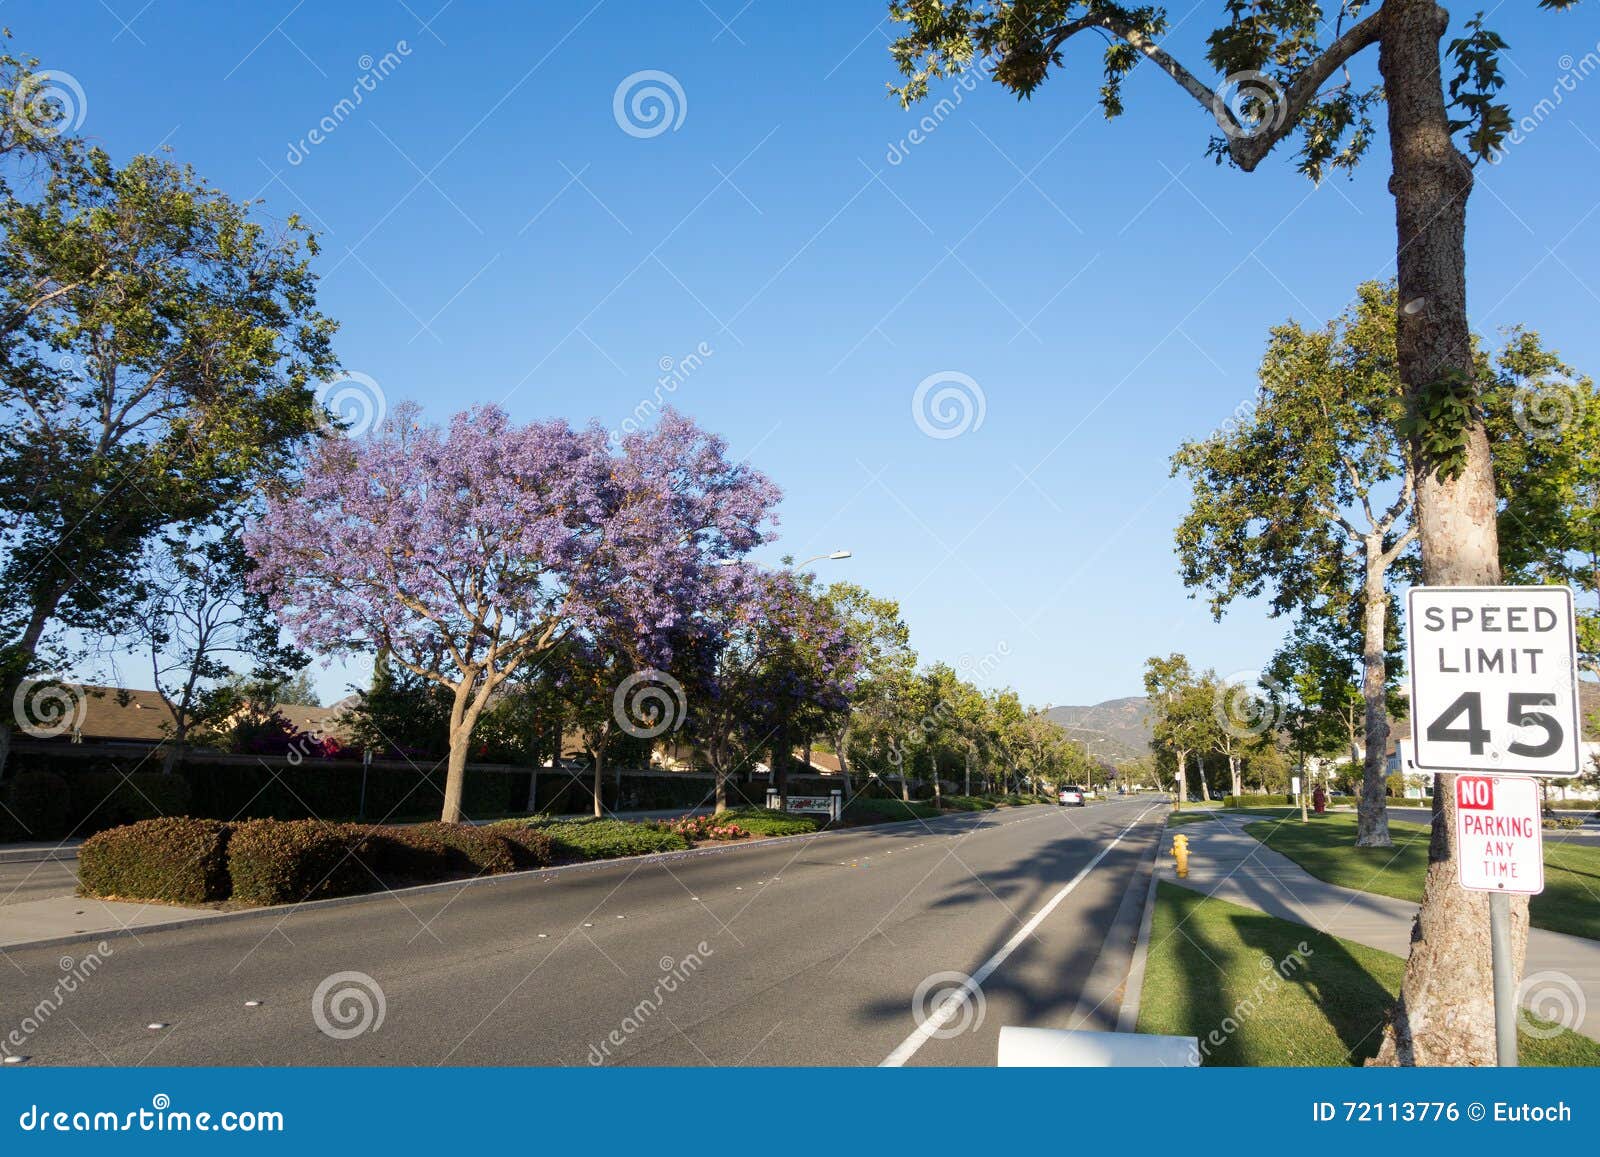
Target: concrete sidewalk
x,y
1231,865
46,920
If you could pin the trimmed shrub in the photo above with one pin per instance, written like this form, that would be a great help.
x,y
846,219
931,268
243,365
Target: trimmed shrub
x,y
606,839
487,851
177,859
408,855
285,861
880,811
107,799
40,806
968,803
760,821
1284,799
531,847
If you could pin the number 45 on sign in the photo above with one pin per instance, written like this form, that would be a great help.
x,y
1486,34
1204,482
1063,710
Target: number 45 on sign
x,y
1494,680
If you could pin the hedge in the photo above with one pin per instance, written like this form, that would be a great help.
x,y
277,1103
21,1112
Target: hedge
x,y
38,806
968,803
286,861
181,860
877,811
602,839
486,851
1282,799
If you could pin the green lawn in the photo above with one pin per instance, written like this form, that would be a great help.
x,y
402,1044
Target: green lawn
x,y
1177,819
1239,981
1325,847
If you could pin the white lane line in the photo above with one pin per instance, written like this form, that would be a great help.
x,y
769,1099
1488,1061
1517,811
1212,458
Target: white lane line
x,y
953,1003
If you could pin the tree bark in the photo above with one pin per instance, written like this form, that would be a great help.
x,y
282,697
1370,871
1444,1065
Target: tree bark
x,y
455,774
1205,791
1445,1014
25,648
839,742
1372,813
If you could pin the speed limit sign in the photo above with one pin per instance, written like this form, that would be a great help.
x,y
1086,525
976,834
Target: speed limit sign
x,y
1494,680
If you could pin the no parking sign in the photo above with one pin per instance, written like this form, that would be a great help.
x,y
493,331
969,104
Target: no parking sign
x,y
1499,834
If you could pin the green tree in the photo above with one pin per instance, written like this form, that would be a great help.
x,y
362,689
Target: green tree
x,y
1544,426
1309,496
160,349
1444,115
884,657
194,617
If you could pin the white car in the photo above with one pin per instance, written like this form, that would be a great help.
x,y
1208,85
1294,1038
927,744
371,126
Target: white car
x,y
1072,796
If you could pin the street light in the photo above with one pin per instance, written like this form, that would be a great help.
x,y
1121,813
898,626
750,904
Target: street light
x,y
796,566
820,557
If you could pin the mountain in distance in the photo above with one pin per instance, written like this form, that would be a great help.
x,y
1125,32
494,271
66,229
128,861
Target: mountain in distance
x,y
1117,729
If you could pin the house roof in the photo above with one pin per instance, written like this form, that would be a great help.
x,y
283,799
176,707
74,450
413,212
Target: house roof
x,y
137,715
824,761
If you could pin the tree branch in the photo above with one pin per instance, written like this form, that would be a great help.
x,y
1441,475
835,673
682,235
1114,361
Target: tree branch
x,y
1245,146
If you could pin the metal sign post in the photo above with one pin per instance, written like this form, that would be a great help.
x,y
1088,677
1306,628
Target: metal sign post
x,y
1494,699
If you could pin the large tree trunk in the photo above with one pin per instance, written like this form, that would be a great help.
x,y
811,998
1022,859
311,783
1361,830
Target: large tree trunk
x,y
1445,1015
1205,790
839,741
599,777
455,777
18,662
1372,814
1234,777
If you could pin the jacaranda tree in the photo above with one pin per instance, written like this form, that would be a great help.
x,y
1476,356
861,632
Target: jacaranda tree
x,y
465,553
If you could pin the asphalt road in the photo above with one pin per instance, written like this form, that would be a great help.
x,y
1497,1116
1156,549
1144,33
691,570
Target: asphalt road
x,y
794,952
24,880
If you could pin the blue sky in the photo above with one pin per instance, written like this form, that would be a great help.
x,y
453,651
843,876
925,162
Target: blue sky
x,y
492,234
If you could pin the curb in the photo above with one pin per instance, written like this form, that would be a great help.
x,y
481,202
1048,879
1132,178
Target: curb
x,y
287,910
1128,1016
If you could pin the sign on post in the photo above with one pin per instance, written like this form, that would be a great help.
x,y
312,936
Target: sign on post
x,y
1494,680
1499,834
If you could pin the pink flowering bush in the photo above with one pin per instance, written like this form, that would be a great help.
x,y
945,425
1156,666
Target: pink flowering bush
x,y
703,828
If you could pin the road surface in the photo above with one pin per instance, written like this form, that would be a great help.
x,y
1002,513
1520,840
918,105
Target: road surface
x,y
795,952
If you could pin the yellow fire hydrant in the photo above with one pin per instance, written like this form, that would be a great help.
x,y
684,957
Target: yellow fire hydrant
x,y
1180,852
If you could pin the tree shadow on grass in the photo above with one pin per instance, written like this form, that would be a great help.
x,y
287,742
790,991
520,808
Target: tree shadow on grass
x,y
1350,999
1241,983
